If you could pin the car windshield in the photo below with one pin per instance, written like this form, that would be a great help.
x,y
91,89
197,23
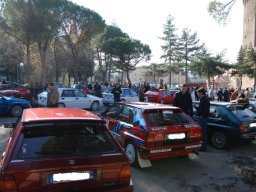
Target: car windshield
x,y
65,140
165,117
242,112
165,92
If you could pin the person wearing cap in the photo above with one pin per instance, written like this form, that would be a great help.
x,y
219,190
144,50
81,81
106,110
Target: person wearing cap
x,y
183,100
203,111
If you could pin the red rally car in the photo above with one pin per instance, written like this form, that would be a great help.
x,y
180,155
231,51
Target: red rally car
x,y
160,96
62,150
150,131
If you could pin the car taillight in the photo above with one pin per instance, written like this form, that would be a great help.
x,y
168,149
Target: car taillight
x,y
125,175
241,128
154,138
7,184
195,133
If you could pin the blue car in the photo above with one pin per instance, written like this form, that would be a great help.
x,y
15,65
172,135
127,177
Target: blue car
x,y
230,122
12,106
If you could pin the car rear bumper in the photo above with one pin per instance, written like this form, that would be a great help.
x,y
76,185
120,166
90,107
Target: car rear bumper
x,y
250,135
169,151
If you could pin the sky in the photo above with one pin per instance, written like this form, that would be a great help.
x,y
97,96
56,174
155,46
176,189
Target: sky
x,y
144,20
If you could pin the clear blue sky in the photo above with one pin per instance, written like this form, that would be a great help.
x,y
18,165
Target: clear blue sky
x,y
144,19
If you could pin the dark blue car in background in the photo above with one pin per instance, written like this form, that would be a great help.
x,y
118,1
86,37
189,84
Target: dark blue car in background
x,y
12,106
230,122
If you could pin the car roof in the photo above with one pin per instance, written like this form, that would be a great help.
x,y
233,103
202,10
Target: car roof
x,y
145,106
44,114
221,103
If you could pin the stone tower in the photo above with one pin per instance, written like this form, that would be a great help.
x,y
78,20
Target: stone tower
x,y
249,28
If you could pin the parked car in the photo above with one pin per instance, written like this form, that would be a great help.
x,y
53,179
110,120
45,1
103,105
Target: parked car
x,y
57,149
12,106
150,131
12,89
160,96
73,98
230,122
128,95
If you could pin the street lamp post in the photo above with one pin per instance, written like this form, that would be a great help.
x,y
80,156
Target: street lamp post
x,y
21,67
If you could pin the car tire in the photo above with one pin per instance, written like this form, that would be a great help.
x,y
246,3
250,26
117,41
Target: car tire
x,y
95,106
131,153
219,140
61,105
16,111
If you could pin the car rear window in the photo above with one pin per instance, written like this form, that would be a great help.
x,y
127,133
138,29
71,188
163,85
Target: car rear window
x,y
65,140
166,117
243,112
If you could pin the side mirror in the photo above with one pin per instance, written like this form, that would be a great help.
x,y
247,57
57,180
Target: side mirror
x,y
9,125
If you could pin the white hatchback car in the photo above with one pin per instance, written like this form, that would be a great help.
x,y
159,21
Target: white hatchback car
x,y
73,98
128,95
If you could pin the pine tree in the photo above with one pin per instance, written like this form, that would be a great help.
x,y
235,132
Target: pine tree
x,y
190,48
170,47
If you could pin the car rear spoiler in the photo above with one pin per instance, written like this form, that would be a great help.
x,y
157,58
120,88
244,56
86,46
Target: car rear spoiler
x,y
61,122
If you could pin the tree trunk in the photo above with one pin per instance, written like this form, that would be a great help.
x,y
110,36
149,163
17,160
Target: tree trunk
x,y
128,77
213,83
170,77
76,63
42,52
27,77
241,81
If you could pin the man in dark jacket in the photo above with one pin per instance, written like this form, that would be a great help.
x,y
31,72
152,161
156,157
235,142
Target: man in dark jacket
x,y
116,91
203,111
183,100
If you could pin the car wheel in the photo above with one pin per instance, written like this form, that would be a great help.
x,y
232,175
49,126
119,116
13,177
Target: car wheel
x,y
95,106
61,105
131,153
162,101
16,111
219,140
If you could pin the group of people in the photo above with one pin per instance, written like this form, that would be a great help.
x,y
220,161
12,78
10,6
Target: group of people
x,y
183,100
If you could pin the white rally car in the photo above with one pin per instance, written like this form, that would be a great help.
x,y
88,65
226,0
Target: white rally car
x,y
73,98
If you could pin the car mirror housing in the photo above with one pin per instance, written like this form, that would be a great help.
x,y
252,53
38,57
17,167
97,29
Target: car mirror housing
x,y
9,125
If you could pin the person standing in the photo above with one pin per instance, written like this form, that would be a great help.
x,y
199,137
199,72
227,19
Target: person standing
x,y
116,91
247,93
220,95
211,94
183,100
226,95
52,96
202,112
97,89
141,94
234,95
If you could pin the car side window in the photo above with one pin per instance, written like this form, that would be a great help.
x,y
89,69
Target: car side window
x,y
127,114
79,93
126,92
133,93
214,112
114,111
67,93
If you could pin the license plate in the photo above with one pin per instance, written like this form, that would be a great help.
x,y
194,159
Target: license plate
x,y
69,177
176,136
253,125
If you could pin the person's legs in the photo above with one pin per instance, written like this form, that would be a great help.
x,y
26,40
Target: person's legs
x,y
203,124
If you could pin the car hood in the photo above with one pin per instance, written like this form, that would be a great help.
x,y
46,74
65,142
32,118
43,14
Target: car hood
x,y
16,100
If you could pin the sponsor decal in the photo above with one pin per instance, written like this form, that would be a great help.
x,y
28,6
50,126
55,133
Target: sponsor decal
x,y
159,128
193,146
160,151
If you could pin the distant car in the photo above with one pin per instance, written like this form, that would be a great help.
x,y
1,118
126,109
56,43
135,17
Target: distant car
x,y
55,149
160,96
230,122
150,131
12,106
14,89
73,98
128,95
